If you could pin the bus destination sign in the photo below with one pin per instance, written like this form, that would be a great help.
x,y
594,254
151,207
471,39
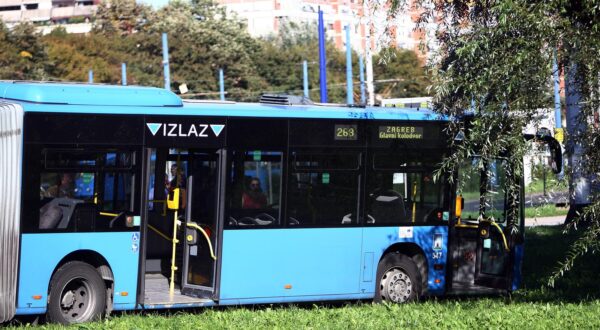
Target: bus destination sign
x,y
346,132
400,133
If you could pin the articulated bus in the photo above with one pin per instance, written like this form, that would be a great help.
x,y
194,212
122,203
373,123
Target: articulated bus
x,y
128,198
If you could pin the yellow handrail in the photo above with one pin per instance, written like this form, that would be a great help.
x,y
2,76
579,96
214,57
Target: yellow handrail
x,y
464,225
108,214
492,222
210,247
414,206
173,266
161,234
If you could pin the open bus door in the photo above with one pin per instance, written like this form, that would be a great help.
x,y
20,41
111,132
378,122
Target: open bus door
x,y
487,247
202,225
499,238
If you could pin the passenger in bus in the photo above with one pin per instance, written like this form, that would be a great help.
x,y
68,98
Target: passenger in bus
x,y
254,198
64,187
178,181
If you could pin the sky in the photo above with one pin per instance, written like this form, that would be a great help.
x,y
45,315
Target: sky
x,y
154,3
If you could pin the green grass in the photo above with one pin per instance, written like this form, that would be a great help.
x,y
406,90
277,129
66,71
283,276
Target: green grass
x,y
552,185
547,210
573,303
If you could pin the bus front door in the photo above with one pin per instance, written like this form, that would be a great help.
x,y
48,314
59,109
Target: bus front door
x,y
201,225
488,252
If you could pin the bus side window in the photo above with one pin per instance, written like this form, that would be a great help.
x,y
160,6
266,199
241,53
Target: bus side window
x,y
323,189
60,194
84,190
401,189
254,188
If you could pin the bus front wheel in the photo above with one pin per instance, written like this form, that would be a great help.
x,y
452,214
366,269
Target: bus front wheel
x,y
77,294
398,279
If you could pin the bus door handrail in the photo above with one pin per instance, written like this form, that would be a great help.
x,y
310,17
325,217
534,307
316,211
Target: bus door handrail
x,y
200,229
493,223
160,233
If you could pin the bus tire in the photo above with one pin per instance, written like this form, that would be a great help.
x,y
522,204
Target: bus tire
x,y
77,294
398,279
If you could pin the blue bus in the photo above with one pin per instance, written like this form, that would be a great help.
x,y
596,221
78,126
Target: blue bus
x,y
127,198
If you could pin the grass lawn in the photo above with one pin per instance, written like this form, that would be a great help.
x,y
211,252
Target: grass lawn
x,y
547,210
574,303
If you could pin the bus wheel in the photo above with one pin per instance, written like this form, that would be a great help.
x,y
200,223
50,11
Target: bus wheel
x,y
77,294
398,279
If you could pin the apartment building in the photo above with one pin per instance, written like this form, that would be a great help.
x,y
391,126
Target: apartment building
x,y
264,17
49,12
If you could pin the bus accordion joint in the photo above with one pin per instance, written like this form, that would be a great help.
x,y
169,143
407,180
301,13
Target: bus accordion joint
x,y
200,229
504,241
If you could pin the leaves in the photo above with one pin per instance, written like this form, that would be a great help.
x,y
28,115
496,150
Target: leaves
x,y
495,63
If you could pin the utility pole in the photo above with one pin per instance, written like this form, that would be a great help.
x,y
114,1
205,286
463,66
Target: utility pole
x,y
124,74
361,75
368,54
167,73
221,85
305,77
349,85
322,59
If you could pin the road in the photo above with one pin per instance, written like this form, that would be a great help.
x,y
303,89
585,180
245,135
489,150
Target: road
x,y
545,221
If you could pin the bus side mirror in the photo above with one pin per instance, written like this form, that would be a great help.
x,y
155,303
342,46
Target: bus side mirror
x,y
173,200
459,205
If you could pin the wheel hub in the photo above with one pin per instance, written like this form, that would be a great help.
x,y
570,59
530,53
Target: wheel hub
x,y
68,299
397,286
75,301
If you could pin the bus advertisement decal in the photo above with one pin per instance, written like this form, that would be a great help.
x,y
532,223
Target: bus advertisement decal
x,y
406,232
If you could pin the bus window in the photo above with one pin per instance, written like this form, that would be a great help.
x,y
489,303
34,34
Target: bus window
x,y
470,180
400,197
323,189
78,188
401,190
496,196
254,188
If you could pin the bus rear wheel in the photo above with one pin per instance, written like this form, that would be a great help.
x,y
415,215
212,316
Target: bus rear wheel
x,y
398,279
77,294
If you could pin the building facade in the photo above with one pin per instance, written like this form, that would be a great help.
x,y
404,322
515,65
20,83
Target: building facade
x,y
75,15
264,17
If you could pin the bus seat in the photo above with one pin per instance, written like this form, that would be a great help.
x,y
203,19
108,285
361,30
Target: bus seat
x,y
68,207
84,216
388,207
50,215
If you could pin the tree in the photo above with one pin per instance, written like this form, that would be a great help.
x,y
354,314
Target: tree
x,y
72,56
122,17
7,55
22,54
495,58
400,74
207,40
